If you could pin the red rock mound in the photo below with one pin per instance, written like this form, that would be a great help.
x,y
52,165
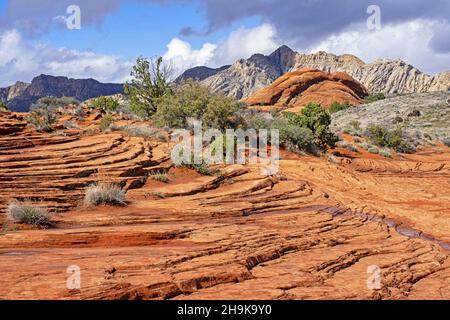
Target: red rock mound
x,y
295,89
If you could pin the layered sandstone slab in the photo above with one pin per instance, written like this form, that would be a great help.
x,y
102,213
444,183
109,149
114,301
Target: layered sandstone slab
x,y
296,89
312,231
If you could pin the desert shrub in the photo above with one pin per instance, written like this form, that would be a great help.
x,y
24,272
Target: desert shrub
x,y
55,102
318,120
336,106
393,139
70,125
446,141
193,101
150,82
386,153
79,112
222,113
106,122
143,131
28,213
292,136
373,150
355,124
202,168
106,103
105,193
374,98
42,118
160,176
3,107
295,138
348,146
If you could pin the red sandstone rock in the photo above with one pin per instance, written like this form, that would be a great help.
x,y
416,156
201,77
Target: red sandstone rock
x,y
296,89
310,232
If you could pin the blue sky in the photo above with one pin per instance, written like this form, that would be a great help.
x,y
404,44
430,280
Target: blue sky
x,y
211,32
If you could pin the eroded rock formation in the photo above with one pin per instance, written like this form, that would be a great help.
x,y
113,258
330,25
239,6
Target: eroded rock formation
x,y
312,231
295,89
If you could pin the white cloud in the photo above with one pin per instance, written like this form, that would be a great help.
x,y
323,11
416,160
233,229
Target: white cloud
x,y
22,61
241,43
409,41
183,57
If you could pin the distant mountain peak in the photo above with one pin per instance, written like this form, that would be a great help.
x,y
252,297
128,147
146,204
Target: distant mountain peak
x,y
384,75
58,86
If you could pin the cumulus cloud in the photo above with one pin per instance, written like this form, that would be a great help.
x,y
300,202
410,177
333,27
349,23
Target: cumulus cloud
x,y
22,61
241,43
410,41
182,56
306,21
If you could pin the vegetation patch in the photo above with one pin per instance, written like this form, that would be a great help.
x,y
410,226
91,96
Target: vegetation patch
x,y
27,212
3,107
107,104
161,177
374,98
383,137
336,106
105,193
106,122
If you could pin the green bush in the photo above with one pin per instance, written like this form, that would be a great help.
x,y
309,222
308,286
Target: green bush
x,y
106,122
28,213
292,137
193,101
374,98
42,118
386,153
393,139
318,120
336,107
150,82
201,168
106,103
161,177
348,146
55,102
3,107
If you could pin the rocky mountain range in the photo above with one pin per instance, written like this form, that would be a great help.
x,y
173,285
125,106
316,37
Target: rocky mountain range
x,y
9,93
21,96
200,73
247,76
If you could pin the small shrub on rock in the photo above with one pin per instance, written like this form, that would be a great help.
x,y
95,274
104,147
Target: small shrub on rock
x,y
318,120
106,103
42,118
106,122
393,139
336,107
374,98
3,107
105,193
28,213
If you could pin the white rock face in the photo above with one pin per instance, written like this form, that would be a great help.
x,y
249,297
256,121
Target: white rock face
x,y
387,76
9,93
